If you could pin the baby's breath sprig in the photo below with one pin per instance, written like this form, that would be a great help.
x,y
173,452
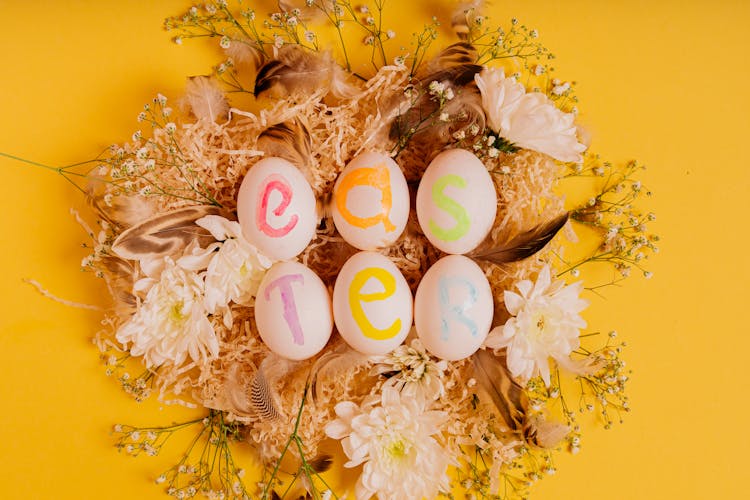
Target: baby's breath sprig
x,y
602,388
137,168
207,466
478,477
612,212
605,388
412,121
216,20
421,42
519,43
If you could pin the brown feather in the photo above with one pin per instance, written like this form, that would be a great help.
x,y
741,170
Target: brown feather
x,y
507,395
289,140
164,234
321,463
524,245
415,119
300,71
458,54
419,124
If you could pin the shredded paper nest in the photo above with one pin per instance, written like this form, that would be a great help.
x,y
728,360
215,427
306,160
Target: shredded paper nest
x,y
166,207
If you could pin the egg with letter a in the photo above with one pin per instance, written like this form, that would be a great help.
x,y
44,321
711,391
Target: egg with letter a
x,y
276,208
370,201
372,304
456,202
293,311
453,308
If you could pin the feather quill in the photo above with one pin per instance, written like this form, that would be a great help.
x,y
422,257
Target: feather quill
x,y
164,234
524,245
206,99
507,395
289,140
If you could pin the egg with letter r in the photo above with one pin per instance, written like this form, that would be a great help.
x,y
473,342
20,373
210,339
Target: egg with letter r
x,y
453,308
456,202
276,208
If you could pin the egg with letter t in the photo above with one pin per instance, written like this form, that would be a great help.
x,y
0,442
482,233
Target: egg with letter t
x,y
293,311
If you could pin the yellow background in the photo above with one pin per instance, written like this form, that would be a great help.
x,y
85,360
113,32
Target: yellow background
x,y
661,81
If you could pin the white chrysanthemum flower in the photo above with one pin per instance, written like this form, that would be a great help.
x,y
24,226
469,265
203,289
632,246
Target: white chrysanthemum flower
x,y
545,324
417,375
234,271
171,323
530,121
394,440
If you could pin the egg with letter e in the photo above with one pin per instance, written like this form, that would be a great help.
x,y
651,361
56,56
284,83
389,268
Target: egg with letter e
x,y
456,202
372,304
453,308
293,311
276,208
370,201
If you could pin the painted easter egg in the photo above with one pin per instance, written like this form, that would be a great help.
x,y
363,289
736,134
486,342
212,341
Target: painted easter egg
x,y
370,202
372,304
453,308
293,311
456,201
276,208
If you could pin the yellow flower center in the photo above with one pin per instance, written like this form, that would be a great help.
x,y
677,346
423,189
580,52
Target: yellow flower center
x,y
175,313
397,449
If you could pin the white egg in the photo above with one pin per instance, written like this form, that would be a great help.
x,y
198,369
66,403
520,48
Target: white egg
x,y
453,308
456,201
293,311
372,304
276,208
370,201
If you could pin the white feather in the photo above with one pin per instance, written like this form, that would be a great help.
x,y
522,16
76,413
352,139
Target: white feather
x,y
205,98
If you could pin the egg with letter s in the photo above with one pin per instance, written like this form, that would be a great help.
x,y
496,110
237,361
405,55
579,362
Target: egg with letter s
x,y
276,208
453,308
372,304
293,311
456,202
370,201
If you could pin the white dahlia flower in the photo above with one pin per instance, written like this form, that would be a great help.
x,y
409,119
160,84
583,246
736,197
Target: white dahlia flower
x,y
394,439
545,324
529,121
171,323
